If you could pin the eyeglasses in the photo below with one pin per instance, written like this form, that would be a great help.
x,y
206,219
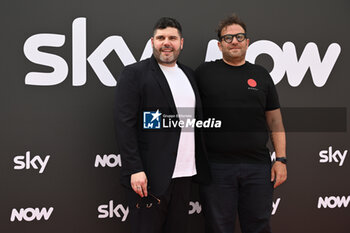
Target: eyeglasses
x,y
228,38
147,201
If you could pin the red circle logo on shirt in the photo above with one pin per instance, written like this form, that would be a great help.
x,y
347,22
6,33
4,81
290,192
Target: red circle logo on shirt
x,y
252,82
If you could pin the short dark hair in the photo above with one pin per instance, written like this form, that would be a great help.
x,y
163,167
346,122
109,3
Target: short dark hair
x,y
165,22
232,19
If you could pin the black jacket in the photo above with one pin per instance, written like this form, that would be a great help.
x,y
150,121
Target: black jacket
x,y
143,87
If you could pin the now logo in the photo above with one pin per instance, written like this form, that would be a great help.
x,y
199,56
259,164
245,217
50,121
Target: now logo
x,y
111,160
195,208
332,202
30,214
285,60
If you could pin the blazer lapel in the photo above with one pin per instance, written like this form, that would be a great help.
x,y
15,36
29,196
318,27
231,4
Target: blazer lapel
x,y
159,76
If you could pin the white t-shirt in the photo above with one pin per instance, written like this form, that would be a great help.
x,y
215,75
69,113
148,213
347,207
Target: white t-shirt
x,y
185,102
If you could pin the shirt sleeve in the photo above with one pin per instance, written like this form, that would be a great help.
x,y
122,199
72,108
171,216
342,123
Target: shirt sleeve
x,y
272,101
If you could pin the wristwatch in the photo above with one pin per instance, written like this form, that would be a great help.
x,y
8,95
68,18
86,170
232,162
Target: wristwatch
x,y
281,159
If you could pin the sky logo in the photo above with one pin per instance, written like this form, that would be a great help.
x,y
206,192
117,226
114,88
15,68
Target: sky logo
x,y
151,120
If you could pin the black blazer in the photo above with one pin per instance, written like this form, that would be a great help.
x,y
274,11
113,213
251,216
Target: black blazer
x,y
142,87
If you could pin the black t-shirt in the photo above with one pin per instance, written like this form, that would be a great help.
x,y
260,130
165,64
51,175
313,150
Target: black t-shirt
x,y
239,97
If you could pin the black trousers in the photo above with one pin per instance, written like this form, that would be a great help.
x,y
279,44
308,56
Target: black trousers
x,y
170,216
245,189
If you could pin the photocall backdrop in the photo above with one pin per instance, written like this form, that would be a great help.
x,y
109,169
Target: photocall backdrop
x,y
60,165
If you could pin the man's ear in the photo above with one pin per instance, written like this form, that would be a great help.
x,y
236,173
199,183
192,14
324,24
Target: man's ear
x,y
220,46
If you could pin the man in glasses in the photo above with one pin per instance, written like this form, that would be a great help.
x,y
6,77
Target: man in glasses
x,y
244,97
158,163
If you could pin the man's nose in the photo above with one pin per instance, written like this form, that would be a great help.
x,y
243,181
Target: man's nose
x,y
234,40
166,41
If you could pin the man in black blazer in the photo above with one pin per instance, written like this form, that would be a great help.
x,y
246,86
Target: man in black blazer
x,y
158,163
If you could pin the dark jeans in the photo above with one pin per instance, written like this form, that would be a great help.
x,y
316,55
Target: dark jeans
x,y
171,216
243,188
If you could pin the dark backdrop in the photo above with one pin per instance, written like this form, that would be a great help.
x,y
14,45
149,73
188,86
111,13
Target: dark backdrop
x,y
73,124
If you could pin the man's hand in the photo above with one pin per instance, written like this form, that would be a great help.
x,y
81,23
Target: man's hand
x,y
139,183
278,173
